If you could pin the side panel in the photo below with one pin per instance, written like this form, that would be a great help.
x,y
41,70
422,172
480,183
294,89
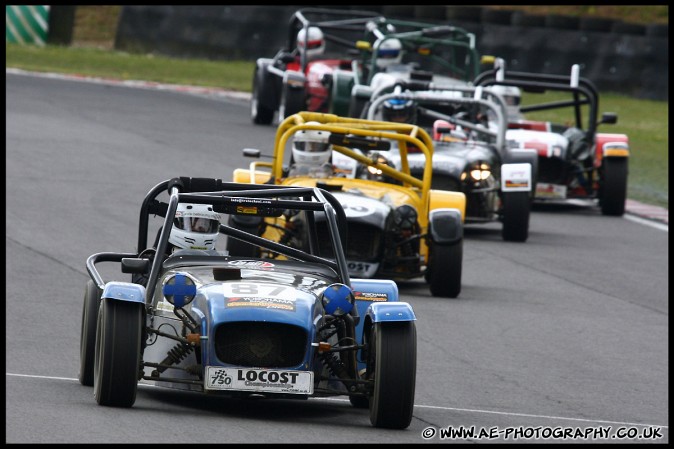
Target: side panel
x,y
342,83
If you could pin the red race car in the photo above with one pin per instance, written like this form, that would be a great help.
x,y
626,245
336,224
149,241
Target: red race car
x,y
299,77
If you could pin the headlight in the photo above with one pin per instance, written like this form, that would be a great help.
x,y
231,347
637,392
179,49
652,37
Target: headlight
x,y
405,216
179,290
479,172
337,299
374,172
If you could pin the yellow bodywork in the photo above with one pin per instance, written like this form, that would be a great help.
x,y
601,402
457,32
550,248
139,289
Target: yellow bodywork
x,y
413,191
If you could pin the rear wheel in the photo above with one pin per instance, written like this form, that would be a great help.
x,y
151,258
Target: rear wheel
x,y
92,299
259,113
516,211
614,186
393,348
443,273
118,352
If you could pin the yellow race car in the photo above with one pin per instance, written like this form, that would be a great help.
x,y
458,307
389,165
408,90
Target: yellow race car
x,y
397,227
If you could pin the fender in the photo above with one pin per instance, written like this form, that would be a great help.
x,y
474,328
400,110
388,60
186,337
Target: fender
x,y
124,291
294,79
390,311
445,226
242,175
611,145
445,199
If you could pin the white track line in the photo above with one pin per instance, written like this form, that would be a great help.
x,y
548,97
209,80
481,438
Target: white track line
x,y
416,405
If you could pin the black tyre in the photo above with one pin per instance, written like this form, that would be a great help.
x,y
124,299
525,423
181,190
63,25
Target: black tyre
x,y
614,186
516,212
118,352
292,102
444,269
259,113
238,248
92,299
393,353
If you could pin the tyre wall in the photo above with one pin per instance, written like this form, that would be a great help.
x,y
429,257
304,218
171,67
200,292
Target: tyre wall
x,y
621,57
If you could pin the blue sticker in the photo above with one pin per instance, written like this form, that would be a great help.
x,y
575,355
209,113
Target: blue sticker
x,y
336,298
179,290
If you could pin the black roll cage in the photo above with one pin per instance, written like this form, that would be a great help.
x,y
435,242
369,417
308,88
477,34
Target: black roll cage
x,y
226,197
583,91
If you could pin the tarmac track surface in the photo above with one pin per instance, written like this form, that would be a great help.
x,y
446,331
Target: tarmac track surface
x,y
566,331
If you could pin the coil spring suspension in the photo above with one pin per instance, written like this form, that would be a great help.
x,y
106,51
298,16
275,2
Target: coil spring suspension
x,y
334,365
175,355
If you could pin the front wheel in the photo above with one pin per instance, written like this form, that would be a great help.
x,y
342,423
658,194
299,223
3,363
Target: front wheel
x,y
292,102
393,352
516,211
259,113
614,186
92,299
118,352
443,272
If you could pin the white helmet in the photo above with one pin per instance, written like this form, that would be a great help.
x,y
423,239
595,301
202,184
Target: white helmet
x,y
311,147
195,226
315,45
389,52
511,97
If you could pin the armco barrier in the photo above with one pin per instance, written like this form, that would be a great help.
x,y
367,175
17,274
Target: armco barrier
x,y
619,57
26,24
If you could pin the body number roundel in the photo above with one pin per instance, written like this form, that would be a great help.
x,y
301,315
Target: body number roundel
x,y
356,208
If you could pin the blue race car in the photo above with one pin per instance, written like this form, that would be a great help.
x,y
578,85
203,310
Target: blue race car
x,y
295,326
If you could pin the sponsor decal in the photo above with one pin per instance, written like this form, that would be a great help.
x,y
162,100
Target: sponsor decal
x,y
513,183
251,263
246,210
265,303
250,200
262,380
370,296
553,191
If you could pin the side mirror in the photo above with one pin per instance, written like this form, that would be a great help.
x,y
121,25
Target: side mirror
x,y
251,152
138,266
609,118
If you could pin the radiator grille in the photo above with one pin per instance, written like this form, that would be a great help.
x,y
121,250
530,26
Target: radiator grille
x,y
260,344
363,242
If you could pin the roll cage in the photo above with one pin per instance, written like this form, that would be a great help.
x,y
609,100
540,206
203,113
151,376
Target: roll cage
x,y
582,90
239,199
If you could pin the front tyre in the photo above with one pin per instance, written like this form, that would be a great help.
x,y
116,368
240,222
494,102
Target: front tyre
x,y
92,299
118,352
516,211
292,101
614,186
393,351
259,113
443,273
